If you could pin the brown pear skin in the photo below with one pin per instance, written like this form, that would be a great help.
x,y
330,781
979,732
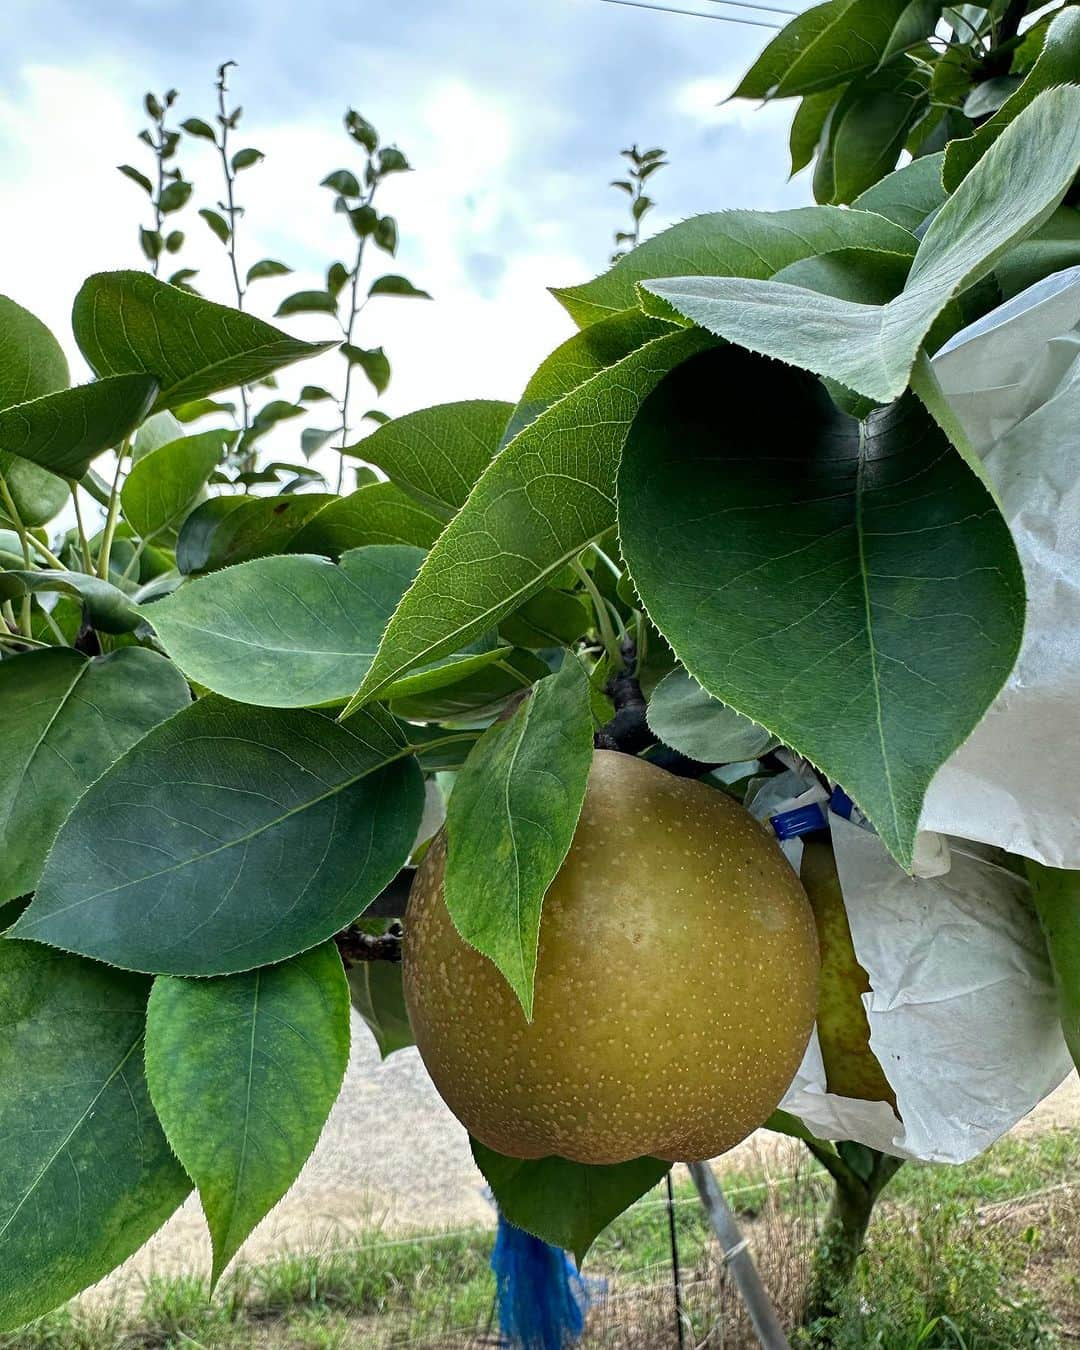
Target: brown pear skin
x,y
676,983
851,1069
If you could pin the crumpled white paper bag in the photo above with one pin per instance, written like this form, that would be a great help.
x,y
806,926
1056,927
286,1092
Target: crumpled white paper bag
x,y
1013,379
962,1014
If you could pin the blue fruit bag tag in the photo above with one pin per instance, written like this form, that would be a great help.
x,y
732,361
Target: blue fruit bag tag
x,y
542,1300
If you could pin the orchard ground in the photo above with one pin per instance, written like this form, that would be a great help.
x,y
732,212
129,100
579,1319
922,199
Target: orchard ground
x,y
392,1158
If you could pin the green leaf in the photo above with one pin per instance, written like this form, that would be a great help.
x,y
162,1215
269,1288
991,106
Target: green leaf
x,y
552,618
808,124
377,995
244,159
175,196
151,243
829,45
1057,900
129,171
307,302
867,131
872,348
361,130
851,587
342,181
229,837
289,632
437,454
155,432
313,439
511,819
567,1204
65,431
1052,248
1058,64
243,1071
128,321
372,361
474,692
87,1175
729,243
267,267
39,496
195,126
32,363
391,160
908,195
397,285
67,717
217,223
227,530
689,719
379,513
109,609
166,484
537,505
986,98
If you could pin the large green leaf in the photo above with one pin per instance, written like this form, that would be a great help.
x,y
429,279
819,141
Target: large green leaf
x,y
108,608
548,494
810,121
730,243
908,195
129,321
567,1204
65,431
689,719
229,837
1057,900
32,363
872,348
1058,63
377,995
66,718
285,632
437,454
1052,248
243,1071
511,819
226,530
380,513
86,1174
833,42
165,484
851,587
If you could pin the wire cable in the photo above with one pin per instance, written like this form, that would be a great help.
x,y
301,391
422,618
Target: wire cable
x,y
694,13
745,4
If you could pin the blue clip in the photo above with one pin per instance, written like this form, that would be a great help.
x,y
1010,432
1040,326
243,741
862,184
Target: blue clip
x,y
803,820
840,803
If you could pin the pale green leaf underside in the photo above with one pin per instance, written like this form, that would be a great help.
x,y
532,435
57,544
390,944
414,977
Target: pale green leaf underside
x,y
86,1174
229,837
853,588
689,719
872,348
548,494
377,995
243,1071
109,608
66,718
511,819
731,243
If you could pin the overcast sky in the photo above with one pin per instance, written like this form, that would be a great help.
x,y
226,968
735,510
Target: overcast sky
x,y
511,111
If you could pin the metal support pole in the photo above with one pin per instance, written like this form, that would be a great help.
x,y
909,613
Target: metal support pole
x,y
676,1277
736,1255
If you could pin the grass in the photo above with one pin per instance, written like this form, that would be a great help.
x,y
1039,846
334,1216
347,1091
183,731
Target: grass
x,y
980,1257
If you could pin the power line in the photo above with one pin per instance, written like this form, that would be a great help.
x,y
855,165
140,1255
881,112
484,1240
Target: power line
x,y
693,13
744,4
